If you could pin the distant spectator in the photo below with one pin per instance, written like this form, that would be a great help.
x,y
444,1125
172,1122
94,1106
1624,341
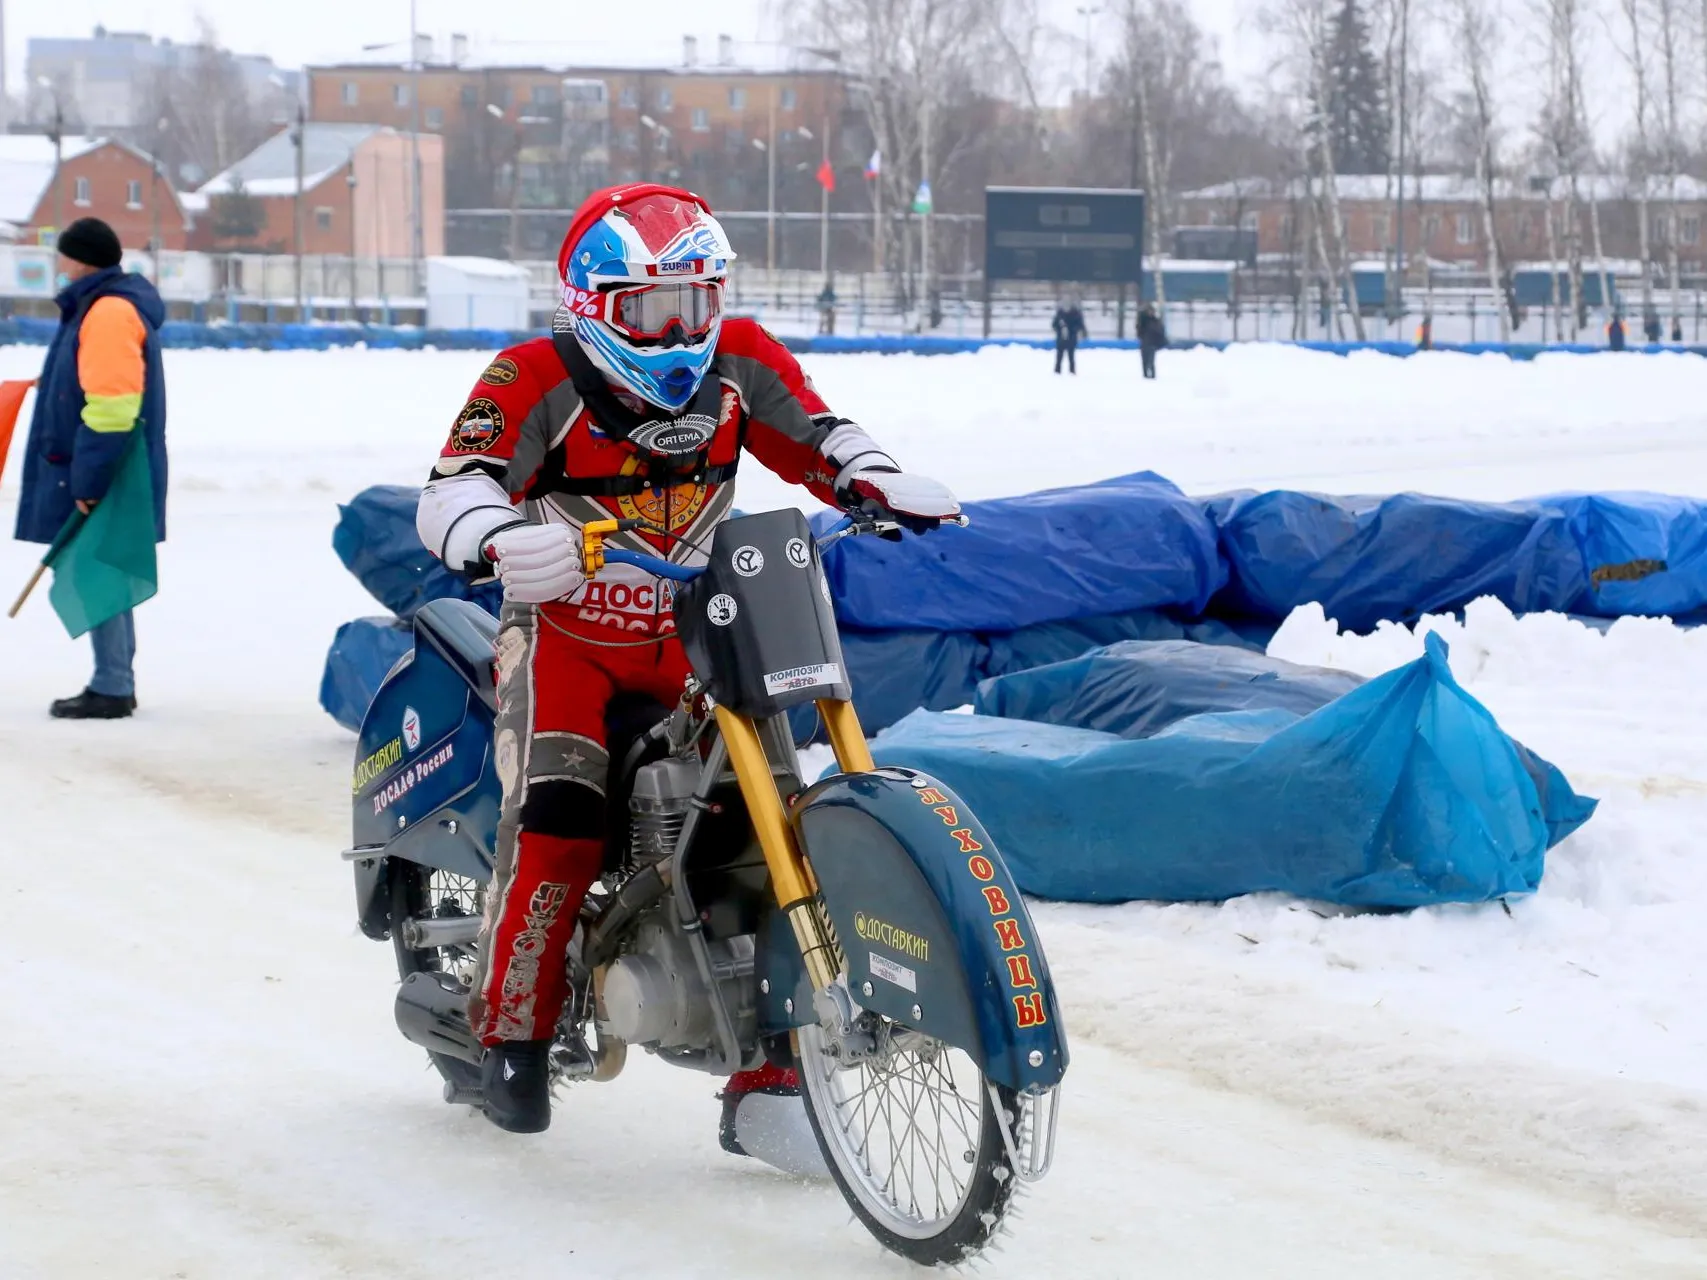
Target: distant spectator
x,y
1152,337
1651,326
1069,325
1425,334
1615,334
827,307
1677,329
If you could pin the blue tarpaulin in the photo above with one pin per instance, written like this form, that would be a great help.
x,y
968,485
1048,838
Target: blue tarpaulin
x,y
1134,542
1372,559
1402,793
361,654
895,673
1642,553
376,540
1138,688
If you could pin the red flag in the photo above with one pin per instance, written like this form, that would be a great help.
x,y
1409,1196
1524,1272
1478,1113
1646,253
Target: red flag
x,y
11,400
827,176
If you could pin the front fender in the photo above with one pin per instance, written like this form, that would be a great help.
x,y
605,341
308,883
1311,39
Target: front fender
x,y
929,917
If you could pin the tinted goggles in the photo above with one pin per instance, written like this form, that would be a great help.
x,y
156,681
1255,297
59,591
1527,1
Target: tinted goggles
x,y
649,312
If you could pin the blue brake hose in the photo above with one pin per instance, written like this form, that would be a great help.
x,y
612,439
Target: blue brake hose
x,y
653,565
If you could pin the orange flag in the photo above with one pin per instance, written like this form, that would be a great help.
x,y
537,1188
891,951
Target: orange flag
x,y
11,400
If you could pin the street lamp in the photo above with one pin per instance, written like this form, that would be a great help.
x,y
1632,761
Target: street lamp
x,y
1088,12
154,195
298,139
56,131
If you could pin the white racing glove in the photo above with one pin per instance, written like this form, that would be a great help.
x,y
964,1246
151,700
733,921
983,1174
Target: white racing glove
x,y
537,563
915,502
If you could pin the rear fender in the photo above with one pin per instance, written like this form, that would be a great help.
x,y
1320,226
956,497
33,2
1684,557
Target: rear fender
x,y
426,787
929,919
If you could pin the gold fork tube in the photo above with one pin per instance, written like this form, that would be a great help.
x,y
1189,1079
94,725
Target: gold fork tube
x,y
847,736
791,879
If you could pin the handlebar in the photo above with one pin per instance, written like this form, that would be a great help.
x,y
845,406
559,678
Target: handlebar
x,y
595,555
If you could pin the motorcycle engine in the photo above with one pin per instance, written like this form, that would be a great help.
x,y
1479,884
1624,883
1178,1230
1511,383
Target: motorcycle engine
x,y
654,996
657,809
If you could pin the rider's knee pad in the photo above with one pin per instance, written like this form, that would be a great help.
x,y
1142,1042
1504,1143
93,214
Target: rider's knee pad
x,y
565,808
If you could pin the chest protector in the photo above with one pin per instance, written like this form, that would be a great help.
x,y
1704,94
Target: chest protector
x,y
671,450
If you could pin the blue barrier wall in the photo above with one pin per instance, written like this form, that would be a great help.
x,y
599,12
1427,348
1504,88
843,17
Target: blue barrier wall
x,y
186,335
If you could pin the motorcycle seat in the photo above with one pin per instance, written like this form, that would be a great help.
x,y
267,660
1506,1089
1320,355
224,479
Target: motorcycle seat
x,y
465,636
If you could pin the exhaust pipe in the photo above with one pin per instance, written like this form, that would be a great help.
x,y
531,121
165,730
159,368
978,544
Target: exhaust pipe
x,y
430,933
430,1015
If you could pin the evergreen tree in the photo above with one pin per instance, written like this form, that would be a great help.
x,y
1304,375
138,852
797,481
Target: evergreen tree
x,y
1359,127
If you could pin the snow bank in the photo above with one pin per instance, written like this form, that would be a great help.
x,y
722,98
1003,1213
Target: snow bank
x,y
998,422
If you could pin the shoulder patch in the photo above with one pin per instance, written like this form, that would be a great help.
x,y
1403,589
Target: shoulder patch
x,y
478,426
501,372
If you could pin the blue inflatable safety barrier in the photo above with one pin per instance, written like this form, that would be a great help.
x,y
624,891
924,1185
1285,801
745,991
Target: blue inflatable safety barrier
x,y
1642,553
1368,560
376,540
361,654
1134,542
1402,793
1139,688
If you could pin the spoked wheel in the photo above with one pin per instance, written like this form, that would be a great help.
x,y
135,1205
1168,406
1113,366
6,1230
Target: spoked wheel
x,y
912,1138
424,893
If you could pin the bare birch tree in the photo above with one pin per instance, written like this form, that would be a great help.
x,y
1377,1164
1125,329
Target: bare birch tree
x,y
1565,140
1639,172
1305,29
1667,22
1474,35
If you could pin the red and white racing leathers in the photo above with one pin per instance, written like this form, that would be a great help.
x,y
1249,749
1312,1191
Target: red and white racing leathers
x,y
527,444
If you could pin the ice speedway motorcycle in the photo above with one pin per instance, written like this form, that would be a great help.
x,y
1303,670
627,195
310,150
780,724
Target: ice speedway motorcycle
x,y
864,929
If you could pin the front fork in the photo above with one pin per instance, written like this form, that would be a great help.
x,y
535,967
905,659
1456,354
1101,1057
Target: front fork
x,y
791,875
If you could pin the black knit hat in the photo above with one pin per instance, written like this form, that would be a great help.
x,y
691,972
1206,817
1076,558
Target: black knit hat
x,y
91,242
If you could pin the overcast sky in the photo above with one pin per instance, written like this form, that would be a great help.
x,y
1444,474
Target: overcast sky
x,y
295,32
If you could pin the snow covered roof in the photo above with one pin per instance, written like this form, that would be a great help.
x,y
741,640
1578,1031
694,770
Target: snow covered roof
x,y
714,55
270,169
26,169
1451,188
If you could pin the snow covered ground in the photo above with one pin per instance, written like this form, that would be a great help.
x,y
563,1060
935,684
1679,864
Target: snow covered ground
x,y
200,1077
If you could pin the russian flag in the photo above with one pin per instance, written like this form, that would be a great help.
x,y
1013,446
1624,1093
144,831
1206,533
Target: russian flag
x,y
874,166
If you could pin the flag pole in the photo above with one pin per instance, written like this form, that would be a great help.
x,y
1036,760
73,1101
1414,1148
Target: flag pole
x,y
72,525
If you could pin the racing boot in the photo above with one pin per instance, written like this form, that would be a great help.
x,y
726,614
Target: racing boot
x,y
764,1117
90,705
515,1083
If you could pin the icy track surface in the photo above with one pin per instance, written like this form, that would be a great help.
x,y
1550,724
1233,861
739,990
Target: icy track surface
x,y
199,1076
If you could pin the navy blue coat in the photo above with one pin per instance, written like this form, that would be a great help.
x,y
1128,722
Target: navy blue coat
x,y
64,461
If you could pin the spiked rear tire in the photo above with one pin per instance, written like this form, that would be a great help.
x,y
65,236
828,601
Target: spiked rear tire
x,y
420,891
874,1124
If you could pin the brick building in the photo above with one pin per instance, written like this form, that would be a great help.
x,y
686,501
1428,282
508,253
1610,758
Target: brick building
x,y
543,136
94,177
356,191
1444,219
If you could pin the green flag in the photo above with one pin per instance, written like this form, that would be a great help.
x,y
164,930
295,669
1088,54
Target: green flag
x,y
108,565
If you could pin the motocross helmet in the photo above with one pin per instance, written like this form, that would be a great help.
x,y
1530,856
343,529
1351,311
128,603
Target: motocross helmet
x,y
643,268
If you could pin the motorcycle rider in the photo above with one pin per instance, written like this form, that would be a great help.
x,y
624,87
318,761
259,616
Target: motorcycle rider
x,y
640,405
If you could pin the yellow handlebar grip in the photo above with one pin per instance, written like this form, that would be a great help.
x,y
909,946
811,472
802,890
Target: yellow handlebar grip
x,y
593,537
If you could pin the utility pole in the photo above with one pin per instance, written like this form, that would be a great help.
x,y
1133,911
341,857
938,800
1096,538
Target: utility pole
x,y
770,189
351,179
418,247
298,137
